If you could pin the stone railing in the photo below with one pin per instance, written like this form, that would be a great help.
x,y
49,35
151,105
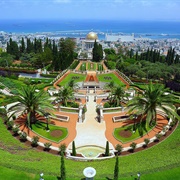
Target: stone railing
x,y
59,75
123,76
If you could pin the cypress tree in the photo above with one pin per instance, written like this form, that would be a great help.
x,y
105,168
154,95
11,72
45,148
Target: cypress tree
x,y
136,55
29,46
100,52
35,45
22,47
14,49
176,59
8,48
63,169
95,51
66,53
116,169
107,149
147,55
73,149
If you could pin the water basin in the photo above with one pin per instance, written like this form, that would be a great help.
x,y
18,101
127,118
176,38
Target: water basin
x,y
90,151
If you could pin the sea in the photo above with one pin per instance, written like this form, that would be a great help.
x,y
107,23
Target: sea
x,y
79,28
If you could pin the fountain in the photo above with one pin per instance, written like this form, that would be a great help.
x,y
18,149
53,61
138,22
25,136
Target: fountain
x,y
90,151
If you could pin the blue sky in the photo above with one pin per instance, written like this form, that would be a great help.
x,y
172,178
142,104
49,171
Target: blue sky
x,y
91,9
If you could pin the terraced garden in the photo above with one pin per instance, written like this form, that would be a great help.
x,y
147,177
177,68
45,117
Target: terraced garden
x,y
27,163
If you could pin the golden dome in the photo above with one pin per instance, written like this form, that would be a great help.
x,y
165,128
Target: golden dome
x,y
92,36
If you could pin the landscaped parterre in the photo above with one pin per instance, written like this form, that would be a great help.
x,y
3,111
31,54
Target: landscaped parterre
x,y
89,123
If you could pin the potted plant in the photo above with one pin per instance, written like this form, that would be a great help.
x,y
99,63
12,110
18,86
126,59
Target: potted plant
x,y
133,146
23,136
118,148
35,141
47,146
15,130
146,141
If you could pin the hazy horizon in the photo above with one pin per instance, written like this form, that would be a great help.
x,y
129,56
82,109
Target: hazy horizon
x,y
132,10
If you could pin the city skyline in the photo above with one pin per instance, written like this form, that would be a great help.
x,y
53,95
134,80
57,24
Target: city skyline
x,y
87,9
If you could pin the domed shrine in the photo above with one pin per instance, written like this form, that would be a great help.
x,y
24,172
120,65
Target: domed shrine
x,y
91,36
90,39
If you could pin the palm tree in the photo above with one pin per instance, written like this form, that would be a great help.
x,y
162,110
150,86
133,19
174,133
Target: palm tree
x,y
72,84
117,96
152,99
65,94
30,103
110,85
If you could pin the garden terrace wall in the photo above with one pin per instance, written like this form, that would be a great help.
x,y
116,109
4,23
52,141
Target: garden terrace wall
x,y
69,109
120,118
60,117
108,110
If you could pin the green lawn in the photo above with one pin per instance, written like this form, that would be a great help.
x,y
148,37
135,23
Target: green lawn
x,y
110,77
100,67
40,129
83,67
134,136
21,162
76,77
92,67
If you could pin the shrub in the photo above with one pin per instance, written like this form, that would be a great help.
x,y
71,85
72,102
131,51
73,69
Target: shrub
x,y
47,146
10,124
173,123
15,130
84,109
74,65
107,149
73,149
146,141
23,136
62,148
35,141
158,136
107,105
133,146
5,119
118,148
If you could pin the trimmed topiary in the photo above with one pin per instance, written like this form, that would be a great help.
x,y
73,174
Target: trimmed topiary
x,y
107,149
73,149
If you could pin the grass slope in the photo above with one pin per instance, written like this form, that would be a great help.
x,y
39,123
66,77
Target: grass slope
x,y
156,160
